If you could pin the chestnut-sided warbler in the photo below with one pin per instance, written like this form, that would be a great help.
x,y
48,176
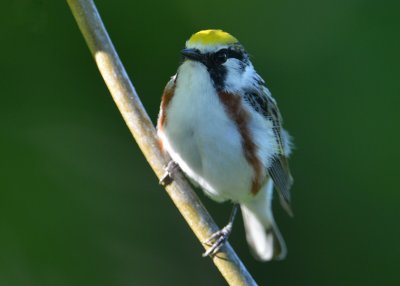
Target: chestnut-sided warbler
x,y
220,124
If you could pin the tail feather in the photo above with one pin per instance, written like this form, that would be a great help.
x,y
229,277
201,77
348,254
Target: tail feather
x,y
263,236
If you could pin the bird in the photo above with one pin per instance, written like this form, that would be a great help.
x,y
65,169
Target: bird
x,y
220,125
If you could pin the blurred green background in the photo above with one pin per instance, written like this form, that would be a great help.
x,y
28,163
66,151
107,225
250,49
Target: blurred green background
x,y
80,206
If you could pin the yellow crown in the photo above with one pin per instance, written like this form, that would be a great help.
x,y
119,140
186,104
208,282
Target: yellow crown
x,y
212,37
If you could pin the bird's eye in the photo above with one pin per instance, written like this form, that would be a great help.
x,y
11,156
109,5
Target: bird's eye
x,y
221,56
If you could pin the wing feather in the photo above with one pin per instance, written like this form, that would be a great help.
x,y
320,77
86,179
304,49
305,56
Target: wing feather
x,y
261,100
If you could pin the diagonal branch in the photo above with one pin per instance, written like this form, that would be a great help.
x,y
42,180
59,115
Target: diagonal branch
x,y
143,131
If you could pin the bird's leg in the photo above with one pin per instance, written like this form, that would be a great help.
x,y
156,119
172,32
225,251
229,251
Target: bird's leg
x,y
219,238
170,170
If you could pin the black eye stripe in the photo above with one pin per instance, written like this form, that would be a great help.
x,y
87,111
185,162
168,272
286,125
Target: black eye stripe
x,y
231,54
235,55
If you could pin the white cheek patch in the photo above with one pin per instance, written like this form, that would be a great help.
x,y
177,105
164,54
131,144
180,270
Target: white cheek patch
x,y
239,76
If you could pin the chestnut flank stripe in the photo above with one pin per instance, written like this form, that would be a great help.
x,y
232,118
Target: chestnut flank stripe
x,y
165,100
234,108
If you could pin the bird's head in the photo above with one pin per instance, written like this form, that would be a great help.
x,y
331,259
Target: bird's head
x,y
224,57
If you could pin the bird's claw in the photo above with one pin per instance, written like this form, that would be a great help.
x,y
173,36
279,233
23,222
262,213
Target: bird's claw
x,y
218,238
170,169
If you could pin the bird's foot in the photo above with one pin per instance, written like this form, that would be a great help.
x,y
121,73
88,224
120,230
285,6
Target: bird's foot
x,y
170,169
217,240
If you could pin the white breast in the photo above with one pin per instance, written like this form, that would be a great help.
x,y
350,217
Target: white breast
x,y
204,141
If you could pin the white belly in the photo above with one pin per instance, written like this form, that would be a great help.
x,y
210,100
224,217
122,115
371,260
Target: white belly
x,y
204,141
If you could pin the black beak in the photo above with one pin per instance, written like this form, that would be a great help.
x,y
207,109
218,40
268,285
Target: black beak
x,y
192,54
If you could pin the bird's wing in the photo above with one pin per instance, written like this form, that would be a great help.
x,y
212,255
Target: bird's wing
x,y
261,100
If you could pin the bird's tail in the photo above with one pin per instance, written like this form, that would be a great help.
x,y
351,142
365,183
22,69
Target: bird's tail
x,y
263,236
